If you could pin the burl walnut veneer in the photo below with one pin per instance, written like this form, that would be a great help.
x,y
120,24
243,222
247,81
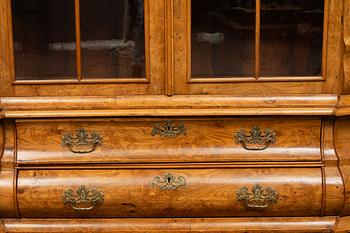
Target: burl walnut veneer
x,y
198,116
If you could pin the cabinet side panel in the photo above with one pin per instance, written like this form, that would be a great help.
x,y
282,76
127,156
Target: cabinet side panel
x,y
342,137
7,196
8,203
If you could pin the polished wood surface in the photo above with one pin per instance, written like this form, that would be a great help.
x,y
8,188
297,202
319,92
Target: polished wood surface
x,y
229,86
155,30
131,140
216,225
342,133
343,106
343,225
207,192
168,58
346,58
308,165
8,203
180,105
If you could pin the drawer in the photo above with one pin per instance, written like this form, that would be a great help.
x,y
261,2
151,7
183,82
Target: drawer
x,y
176,192
141,140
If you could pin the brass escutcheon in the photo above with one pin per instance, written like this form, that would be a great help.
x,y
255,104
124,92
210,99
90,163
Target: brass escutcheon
x,y
169,182
169,129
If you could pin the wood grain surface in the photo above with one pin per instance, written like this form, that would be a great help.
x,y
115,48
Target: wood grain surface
x,y
8,175
187,225
155,53
207,193
342,134
179,105
131,141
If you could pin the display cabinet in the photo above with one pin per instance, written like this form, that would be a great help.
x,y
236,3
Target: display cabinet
x,y
175,116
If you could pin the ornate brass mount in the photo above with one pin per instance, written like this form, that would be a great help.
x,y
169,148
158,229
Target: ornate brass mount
x,y
82,141
259,198
256,139
169,129
82,199
169,182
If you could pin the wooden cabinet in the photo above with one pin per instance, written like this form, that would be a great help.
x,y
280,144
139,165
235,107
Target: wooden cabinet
x,y
174,116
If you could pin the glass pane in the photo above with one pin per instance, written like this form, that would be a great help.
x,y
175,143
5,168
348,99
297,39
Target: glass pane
x,y
223,38
44,39
113,40
291,37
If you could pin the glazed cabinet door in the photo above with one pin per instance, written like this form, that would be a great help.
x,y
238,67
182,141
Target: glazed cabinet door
x,y
256,46
88,47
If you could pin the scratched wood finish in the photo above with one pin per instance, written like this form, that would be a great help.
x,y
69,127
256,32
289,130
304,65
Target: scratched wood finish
x,y
217,225
131,140
207,193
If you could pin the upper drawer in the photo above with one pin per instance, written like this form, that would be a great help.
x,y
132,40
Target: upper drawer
x,y
145,140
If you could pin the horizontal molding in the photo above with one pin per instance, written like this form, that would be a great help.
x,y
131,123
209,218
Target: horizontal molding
x,y
308,224
179,105
182,105
169,112
180,165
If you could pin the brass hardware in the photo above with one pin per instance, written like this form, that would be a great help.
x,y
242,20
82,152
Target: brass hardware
x,y
83,199
256,139
169,182
169,129
259,198
82,141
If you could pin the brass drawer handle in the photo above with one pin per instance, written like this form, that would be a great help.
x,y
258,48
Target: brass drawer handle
x,y
169,182
83,199
82,141
258,198
169,129
256,139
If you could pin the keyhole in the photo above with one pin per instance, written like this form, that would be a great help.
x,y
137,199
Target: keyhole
x,y
169,179
168,127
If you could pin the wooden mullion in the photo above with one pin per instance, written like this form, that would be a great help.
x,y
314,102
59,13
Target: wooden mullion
x,y
257,39
78,40
169,17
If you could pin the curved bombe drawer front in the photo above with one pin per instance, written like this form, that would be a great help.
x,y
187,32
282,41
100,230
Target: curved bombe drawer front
x,y
171,140
175,193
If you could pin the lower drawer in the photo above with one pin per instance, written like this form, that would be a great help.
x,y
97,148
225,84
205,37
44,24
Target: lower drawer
x,y
175,192
216,225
